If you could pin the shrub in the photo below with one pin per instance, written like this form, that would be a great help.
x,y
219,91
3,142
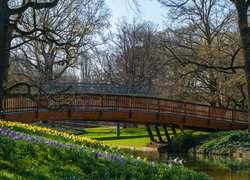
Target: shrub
x,y
184,141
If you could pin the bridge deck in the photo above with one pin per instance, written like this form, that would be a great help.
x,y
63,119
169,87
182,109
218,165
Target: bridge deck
x,y
132,109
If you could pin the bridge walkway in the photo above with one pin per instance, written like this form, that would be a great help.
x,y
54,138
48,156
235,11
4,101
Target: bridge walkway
x,y
122,108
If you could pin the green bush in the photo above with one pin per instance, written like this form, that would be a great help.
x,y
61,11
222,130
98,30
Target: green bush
x,y
184,141
220,143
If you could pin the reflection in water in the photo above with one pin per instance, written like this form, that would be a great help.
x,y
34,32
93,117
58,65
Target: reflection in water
x,y
218,167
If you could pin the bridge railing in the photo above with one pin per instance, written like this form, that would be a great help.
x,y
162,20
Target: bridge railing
x,y
122,103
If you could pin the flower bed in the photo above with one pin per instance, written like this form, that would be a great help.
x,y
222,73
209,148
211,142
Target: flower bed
x,y
26,155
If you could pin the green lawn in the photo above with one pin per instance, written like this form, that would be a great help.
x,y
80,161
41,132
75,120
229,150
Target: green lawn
x,y
131,137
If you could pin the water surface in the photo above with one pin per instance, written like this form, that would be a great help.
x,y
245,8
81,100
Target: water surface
x,y
217,167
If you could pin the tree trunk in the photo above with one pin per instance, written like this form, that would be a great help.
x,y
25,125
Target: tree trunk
x,y
248,92
4,45
245,41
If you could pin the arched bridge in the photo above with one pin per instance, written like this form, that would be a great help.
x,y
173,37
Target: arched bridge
x,y
120,108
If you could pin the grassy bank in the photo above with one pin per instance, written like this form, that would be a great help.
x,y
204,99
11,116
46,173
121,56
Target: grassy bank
x,y
218,143
33,152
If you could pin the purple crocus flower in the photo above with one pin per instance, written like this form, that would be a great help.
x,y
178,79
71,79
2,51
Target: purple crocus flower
x,y
120,164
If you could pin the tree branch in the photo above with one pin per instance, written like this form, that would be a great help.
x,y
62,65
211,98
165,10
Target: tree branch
x,y
33,5
218,68
247,3
24,42
44,32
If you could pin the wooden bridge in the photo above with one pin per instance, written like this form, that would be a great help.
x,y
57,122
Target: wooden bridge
x,y
122,108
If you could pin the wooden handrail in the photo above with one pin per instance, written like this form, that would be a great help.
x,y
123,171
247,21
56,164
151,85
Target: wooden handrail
x,y
125,102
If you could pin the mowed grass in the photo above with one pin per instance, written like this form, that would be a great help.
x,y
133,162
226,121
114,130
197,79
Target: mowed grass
x,y
130,137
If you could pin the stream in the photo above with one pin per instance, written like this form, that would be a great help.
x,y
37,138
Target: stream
x,y
217,167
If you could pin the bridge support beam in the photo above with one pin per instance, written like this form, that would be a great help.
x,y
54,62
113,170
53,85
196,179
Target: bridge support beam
x,y
166,133
150,132
158,133
118,132
173,129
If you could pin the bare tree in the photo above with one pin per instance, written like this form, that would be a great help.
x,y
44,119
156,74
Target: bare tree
x,y
225,6
196,68
76,21
136,58
10,16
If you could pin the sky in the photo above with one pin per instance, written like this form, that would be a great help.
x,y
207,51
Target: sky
x,y
151,10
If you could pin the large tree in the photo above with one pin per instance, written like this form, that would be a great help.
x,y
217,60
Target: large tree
x,y
11,16
242,7
44,62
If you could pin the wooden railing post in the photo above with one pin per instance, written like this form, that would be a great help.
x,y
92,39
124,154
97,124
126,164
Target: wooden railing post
x,y
37,113
3,104
69,110
37,109
195,113
130,103
233,114
209,112
158,106
158,109
185,108
2,110
101,105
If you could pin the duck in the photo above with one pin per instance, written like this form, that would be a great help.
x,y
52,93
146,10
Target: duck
x,y
176,161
